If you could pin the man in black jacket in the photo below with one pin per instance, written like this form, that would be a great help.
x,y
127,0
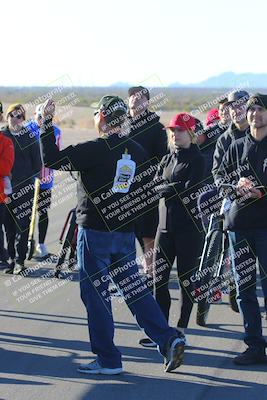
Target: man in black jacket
x,y
212,133
112,173
237,129
217,143
244,170
150,134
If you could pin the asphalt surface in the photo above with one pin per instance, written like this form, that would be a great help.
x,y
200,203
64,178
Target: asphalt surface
x,y
44,338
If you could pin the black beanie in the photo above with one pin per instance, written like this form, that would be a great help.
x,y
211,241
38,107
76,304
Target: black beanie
x,y
139,89
257,99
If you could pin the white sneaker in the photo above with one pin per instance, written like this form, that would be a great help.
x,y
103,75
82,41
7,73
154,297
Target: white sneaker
x,y
95,368
41,250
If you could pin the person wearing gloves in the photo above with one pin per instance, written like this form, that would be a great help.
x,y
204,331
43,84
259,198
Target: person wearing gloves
x,y
242,177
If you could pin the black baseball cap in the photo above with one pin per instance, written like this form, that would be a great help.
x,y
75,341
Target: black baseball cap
x,y
257,99
112,107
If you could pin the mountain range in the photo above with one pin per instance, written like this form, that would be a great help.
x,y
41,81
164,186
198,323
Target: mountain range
x,y
224,80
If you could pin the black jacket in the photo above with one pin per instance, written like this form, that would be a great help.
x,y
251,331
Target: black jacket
x,y
149,133
181,173
223,143
246,157
99,207
212,134
27,163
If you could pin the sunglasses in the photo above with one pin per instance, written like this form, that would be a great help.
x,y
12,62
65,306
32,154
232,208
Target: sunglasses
x,y
18,116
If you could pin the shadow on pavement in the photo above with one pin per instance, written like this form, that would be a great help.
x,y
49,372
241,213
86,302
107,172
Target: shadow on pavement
x,y
182,385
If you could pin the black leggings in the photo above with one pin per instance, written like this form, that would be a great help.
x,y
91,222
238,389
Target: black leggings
x,y
185,246
44,203
17,223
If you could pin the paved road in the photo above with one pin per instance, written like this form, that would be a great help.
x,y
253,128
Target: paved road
x,y
44,337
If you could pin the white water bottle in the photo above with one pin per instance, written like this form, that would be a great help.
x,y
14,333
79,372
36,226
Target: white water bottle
x,y
124,174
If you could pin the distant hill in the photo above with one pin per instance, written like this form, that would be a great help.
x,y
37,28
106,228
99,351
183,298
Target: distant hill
x,y
224,80
229,80
120,84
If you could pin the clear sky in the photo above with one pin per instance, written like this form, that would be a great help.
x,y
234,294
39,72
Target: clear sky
x,y
99,42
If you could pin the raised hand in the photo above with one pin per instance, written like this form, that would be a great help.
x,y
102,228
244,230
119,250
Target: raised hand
x,y
48,109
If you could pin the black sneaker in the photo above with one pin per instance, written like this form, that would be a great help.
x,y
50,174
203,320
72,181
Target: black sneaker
x,y
113,291
251,356
10,269
175,354
146,342
232,300
3,263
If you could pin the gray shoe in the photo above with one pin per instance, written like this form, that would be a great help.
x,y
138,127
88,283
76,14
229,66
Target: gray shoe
x,y
175,353
95,368
19,268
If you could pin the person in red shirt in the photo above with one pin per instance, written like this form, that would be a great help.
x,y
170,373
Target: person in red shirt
x,y
6,164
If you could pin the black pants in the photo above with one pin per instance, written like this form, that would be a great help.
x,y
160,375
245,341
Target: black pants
x,y
17,222
44,203
185,246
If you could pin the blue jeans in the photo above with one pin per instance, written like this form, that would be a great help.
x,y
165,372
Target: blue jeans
x,y
106,255
251,245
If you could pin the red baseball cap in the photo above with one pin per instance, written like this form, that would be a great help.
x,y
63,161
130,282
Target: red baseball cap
x,y
212,116
182,121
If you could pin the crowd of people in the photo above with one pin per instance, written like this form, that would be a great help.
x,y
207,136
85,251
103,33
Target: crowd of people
x,y
149,177
18,182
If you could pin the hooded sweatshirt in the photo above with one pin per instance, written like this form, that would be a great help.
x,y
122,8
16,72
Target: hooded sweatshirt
x,y
245,157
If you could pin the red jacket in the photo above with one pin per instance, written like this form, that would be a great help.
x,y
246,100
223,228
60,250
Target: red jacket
x,y
6,162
